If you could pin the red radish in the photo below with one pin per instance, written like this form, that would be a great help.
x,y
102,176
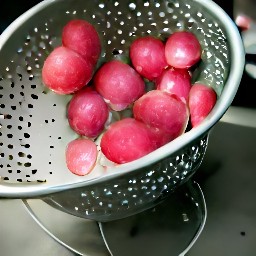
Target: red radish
x,y
87,113
163,111
182,50
65,71
202,99
82,37
81,156
175,81
159,137
126,140
148,57
119,84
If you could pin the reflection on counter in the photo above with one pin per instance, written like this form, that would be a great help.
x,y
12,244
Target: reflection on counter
x,y
227,177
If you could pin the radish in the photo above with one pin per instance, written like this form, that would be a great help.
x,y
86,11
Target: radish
x,y
148,57
182,50
162,111
202,99
87,113
82,37
159,137
81,156
119,84
126,140
175,81
65,71
151,119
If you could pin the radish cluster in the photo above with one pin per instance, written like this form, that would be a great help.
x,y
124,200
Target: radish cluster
x,y
157,117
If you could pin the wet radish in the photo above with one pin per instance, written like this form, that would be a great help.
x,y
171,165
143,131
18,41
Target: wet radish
x,y
65,71
182,50
148,57
126,140
82,37
202,99
162,111
87,113
81,156
175,81
159,137
119,84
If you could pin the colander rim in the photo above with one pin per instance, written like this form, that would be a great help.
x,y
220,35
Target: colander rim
x,y
231,86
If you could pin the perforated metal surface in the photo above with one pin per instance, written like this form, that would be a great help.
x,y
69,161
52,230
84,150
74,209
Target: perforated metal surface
x,y
34,128
126,195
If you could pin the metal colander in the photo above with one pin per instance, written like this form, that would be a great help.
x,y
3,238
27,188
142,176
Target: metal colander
x,y
34,128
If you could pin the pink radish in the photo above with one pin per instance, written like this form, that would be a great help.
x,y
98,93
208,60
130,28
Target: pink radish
x,y
81,156
182,50
87,113
175,81
119,84
65,71
126,140
162,111
148,56
82,37
159,137
202,99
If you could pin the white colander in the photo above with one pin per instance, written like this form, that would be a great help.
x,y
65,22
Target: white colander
x,y
34,129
